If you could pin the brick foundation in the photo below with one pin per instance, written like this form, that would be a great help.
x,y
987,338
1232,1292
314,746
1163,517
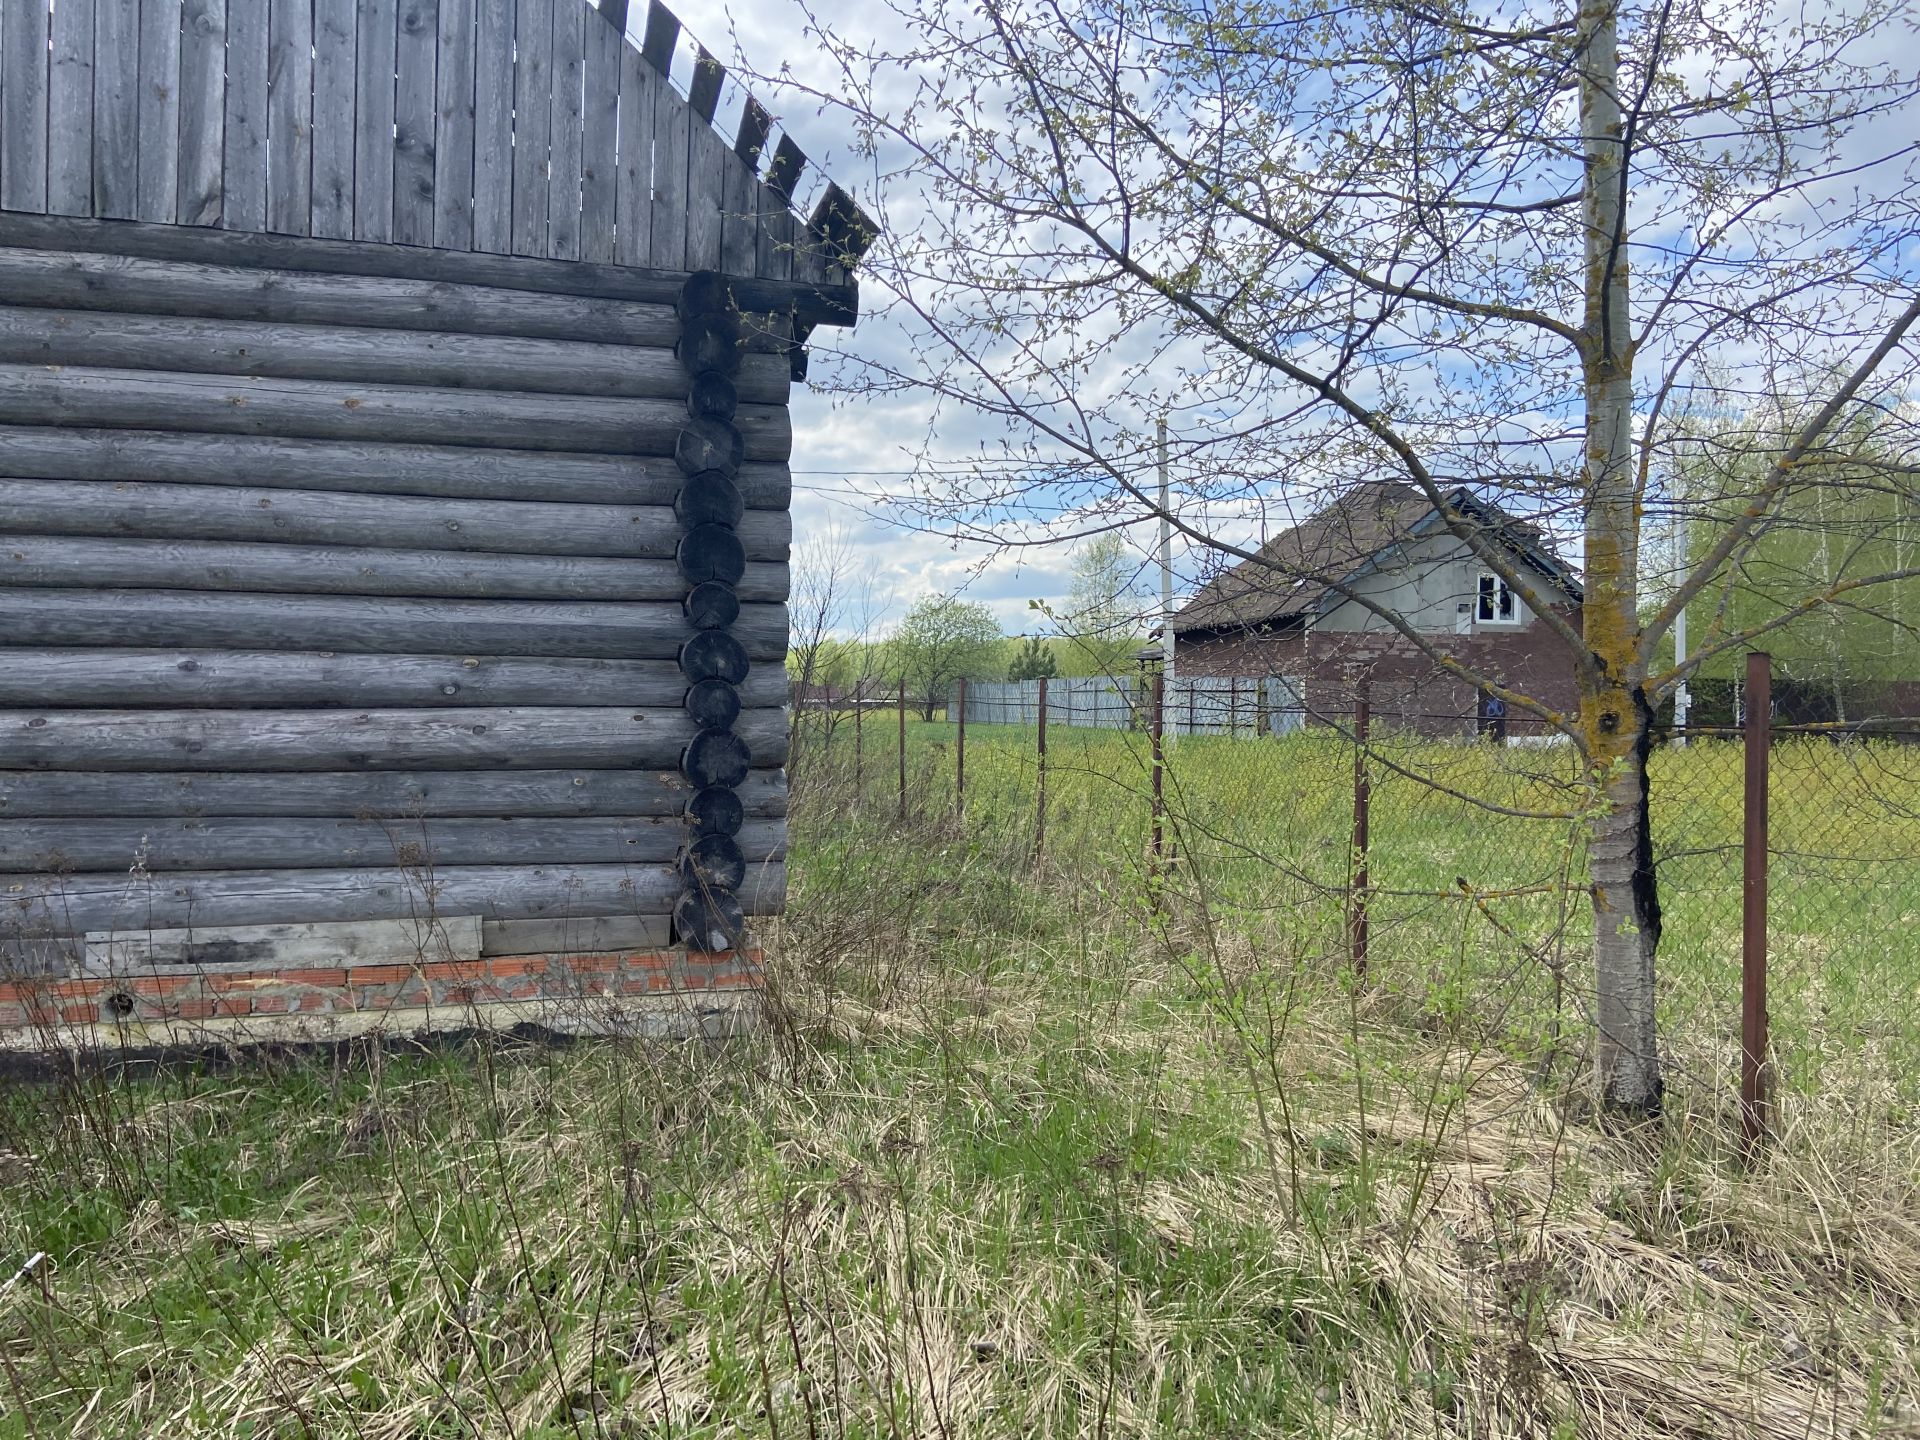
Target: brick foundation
x,y
655,992
1408,691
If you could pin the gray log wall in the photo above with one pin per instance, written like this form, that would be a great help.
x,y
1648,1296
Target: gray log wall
x,y
353,594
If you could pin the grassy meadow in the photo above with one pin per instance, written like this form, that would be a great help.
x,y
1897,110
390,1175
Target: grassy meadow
x,y
1050,1144
1477,868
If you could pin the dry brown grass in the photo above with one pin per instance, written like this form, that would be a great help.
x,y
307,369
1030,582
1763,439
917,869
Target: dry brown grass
x,y
1015,1161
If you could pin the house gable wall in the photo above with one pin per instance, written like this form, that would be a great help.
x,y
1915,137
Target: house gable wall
x,y
1426,582
525,128
394,454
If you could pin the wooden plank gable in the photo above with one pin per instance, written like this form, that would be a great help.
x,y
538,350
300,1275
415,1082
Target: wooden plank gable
x,y
538,128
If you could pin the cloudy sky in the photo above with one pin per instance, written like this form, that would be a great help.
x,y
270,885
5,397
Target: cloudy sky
x,y
851,451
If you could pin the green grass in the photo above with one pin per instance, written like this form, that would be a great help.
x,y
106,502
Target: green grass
x,y
1019,1155
1265,827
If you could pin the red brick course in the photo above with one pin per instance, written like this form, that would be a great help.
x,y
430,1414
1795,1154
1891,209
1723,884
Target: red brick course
x,y
452,984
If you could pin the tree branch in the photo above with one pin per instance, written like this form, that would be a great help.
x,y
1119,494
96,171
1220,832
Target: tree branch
x,y
1757,509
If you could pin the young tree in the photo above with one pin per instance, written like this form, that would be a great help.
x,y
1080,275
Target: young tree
x,y
944,639
1490,245
831,614
1032,661
1835,525
1104,604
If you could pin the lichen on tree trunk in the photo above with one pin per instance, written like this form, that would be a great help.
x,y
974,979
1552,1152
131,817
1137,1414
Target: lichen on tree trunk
x,y
1615,714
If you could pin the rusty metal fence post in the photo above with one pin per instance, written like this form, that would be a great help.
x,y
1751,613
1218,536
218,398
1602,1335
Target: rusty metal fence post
x,y
1757,732
960,759
1040,796
1156,731
1357,919
903,747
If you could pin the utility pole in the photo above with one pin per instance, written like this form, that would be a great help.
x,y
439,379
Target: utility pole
x,y
1682,696
1166,563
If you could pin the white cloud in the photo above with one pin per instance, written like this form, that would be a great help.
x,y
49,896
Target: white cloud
x,y
853,450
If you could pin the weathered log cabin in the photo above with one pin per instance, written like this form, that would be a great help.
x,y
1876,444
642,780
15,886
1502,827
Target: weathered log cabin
x,y
394,522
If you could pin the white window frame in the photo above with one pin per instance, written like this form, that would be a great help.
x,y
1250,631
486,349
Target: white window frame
x,y
1490,590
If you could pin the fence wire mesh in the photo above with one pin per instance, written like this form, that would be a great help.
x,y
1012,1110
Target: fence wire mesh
x,y
1469,900
1842,904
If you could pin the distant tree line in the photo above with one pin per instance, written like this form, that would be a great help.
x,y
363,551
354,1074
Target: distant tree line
x,y
1832,579
943,640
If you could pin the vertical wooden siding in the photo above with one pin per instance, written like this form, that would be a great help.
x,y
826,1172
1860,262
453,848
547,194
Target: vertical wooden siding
x,y
531,127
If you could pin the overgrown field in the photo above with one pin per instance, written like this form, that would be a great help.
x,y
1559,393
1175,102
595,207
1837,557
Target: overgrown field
x,y
1477,869
1021,1152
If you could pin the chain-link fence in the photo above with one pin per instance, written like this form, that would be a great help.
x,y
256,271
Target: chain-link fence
x,y
1447,868
1805,949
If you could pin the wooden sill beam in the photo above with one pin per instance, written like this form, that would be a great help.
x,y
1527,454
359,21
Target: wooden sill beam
x,y
807,303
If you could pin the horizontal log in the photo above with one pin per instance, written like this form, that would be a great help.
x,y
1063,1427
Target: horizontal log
x,y
329,410
305,842
144,619
275,462
379,522
170,287
362,355
809,303
69,562
521,738
227,292
80,903
576,935
287,947
369,794
197,679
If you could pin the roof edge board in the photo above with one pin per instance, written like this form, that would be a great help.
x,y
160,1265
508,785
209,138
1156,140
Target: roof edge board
x,y
838,224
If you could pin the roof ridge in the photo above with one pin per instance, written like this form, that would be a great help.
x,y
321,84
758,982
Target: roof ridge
x,y
1256,589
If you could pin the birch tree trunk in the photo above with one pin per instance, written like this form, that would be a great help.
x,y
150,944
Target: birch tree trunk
x,y
1614,713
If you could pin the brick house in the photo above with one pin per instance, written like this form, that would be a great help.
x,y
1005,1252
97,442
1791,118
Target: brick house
x,y
1299,610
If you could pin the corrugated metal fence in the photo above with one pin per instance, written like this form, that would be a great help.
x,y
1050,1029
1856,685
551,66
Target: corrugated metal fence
x,y
1196,705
